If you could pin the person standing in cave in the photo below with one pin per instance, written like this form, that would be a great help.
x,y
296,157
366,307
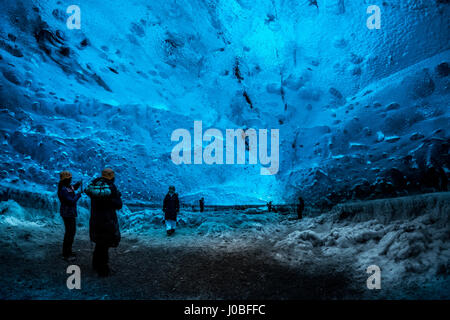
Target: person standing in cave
x,y
202,204
435,178
68,211
300,208
269,206
171,207
314,3
103,224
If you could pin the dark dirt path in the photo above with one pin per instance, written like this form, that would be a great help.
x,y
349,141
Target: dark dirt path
x,y
175,271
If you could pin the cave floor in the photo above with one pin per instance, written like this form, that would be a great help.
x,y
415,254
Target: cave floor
x,y
181,267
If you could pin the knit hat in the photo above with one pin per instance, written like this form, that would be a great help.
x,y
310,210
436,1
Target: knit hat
x,y
63,175
108,173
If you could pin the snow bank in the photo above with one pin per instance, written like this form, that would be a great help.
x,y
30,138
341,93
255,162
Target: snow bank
x,y
408,238
436,206
214,223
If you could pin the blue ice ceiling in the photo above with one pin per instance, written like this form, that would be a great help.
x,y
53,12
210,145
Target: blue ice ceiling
x,y
351,103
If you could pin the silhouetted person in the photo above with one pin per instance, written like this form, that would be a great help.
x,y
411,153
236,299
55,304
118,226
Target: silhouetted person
x,y
103,224
269,206
436,178
314,3
68,210
202,204
300,207
171,207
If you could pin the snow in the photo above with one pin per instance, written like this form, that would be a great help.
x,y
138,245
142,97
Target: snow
x,y
411,247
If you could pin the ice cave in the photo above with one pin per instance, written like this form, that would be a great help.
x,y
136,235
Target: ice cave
x,y
344,103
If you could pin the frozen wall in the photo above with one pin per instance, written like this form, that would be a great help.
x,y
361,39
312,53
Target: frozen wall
x,y
351,104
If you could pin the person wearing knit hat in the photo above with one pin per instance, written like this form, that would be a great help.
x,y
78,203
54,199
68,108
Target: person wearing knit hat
x,y
108,173
64,175
68,210
103,224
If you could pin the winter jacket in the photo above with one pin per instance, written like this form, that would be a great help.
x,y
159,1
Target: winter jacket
x,y
171,206
68,199
103,223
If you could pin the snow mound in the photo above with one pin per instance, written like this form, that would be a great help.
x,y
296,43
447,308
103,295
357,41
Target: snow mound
x,y
414,245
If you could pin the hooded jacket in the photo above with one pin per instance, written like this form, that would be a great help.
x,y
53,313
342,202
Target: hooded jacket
x,y
103,223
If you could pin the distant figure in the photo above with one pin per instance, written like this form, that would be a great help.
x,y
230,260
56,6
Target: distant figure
x,y
103,224
68,211
314,3
436,178
202,204
171,207
269,206
300,207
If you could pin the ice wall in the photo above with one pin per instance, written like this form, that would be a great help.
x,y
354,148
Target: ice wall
x,y
351,104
